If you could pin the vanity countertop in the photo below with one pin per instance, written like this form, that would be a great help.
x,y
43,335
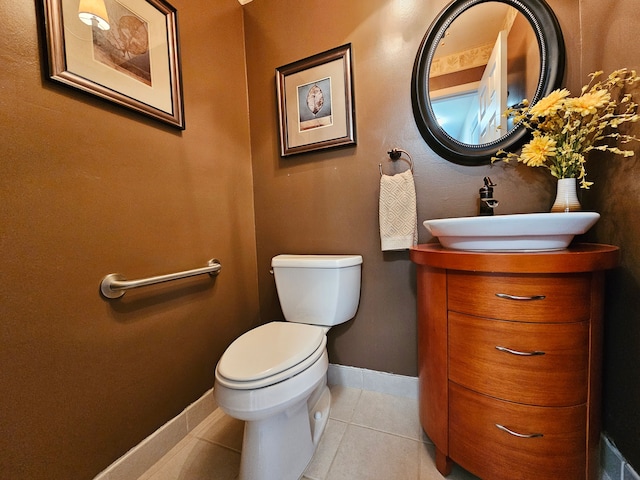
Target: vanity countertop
x,y
579,257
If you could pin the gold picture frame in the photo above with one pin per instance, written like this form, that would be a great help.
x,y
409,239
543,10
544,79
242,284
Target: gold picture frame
x,y
135,63
315,102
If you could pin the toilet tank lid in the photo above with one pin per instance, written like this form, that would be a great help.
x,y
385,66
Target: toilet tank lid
x,y
316,261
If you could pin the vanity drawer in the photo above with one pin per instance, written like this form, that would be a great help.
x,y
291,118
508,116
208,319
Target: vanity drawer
x,y
557,453
528,298
535,363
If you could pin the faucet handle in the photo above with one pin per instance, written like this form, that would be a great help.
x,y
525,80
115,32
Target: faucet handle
x,y
487,202
487,190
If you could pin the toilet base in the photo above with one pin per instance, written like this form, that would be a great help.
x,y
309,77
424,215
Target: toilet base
x,y
282,445
320,405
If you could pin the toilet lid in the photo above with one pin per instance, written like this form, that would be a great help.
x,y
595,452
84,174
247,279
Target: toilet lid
x,y
268,350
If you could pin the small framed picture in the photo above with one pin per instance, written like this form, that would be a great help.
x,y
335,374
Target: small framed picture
x,y
124,51
315,102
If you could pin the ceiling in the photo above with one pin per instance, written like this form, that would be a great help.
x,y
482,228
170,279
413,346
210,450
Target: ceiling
x,y
473,28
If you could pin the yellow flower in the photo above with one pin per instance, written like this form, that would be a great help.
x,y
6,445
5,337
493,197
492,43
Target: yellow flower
x,y
538,150
589,103
565,129
550,104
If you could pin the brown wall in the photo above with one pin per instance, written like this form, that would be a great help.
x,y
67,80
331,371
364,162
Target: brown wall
x,y
607,32
327,201
89,188
84,379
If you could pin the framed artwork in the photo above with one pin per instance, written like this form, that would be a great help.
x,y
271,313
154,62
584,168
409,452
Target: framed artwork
x,y
315,102
130,58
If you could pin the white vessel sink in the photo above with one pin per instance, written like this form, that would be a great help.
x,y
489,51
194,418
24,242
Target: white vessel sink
x,y
526,232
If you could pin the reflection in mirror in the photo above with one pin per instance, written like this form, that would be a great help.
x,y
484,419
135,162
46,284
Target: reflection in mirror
x,y
487,61
478,58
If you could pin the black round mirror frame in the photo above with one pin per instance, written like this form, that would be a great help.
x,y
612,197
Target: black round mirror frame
x,y
552,60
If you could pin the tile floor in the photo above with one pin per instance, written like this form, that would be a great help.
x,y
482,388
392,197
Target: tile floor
x,y
369,436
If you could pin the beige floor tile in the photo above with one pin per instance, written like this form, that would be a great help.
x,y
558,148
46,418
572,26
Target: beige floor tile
x,y
428,469
367,454
221,429
326,451
369,436
387,413
199,460
424,437
343,402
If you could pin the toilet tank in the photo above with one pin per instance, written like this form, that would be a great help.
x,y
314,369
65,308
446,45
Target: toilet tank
x,y
318,289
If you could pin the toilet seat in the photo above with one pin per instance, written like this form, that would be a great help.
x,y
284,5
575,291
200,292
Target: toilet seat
x,y
270,354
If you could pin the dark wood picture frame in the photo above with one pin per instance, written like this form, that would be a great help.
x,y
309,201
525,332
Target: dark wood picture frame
x,y
315,102
135,64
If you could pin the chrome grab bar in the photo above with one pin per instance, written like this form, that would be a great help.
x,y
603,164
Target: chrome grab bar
x,y
115,285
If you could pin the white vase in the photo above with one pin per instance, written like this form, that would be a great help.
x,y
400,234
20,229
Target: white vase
x,y
566,196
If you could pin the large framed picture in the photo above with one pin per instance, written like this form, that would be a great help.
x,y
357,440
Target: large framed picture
x,y
315,102
131,57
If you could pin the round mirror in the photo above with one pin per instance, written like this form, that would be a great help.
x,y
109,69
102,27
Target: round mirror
x,y
478,58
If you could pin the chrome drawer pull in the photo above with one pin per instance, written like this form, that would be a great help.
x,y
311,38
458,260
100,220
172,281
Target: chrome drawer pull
x,y
519,435
518,297
516,352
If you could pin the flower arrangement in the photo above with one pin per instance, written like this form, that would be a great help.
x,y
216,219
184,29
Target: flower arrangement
x,y
564,129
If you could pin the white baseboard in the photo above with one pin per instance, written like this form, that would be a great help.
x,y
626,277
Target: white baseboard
x,y
614,465
372,380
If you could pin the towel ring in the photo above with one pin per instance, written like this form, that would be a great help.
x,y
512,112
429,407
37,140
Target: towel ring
x,y
395,155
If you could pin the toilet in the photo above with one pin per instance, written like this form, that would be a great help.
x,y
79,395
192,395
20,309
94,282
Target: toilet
x,y
274,377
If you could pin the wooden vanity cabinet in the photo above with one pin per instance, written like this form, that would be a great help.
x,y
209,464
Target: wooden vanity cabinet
x,y
509,359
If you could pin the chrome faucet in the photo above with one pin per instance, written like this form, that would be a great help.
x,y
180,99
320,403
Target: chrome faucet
x,y
487,202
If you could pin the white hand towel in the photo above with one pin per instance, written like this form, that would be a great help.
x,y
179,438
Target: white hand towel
x,y
398,214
